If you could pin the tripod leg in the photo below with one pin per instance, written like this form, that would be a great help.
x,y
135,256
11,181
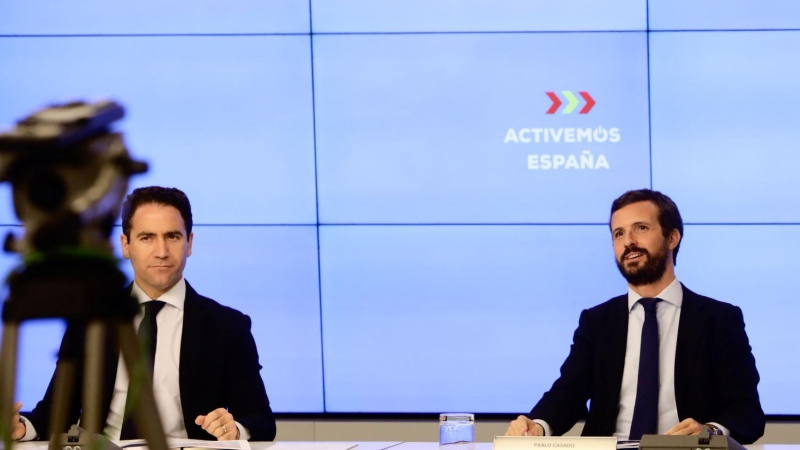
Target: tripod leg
x,y
66,406
62,398
146,416
8,373
93,373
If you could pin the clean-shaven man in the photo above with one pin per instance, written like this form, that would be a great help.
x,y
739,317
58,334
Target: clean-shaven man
x,y
206,376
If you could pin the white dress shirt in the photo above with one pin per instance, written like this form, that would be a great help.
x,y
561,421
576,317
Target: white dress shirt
x,y
166,386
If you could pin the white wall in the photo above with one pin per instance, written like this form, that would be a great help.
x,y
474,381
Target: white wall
x,y
428,431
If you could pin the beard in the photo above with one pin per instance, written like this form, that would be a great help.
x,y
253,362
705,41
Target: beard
x,y
648,272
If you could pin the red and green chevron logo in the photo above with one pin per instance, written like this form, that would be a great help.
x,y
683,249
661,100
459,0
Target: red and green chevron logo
x,y
572,102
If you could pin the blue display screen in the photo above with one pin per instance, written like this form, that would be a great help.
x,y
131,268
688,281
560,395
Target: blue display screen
x,y
455,128
243,150
731,159
395,191
728,262
723,14
365,16
44,17
435,303
278,287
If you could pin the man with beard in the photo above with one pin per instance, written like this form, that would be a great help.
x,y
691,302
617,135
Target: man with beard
x,y
658,360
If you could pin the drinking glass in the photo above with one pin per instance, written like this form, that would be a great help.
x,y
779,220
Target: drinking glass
x,y
457,431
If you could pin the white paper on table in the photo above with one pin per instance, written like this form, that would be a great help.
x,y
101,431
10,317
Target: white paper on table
x,y
199,443
171,443
186,443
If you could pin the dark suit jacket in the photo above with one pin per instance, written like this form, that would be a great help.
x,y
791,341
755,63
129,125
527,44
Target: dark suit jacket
x,y
715,372
219,368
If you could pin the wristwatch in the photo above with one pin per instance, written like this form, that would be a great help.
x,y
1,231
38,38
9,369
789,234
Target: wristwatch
x,y
714,430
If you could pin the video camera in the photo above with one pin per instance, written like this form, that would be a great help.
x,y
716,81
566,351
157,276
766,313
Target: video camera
x,y
69,173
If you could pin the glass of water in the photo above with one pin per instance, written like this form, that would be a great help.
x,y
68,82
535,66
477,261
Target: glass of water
x,y
457,431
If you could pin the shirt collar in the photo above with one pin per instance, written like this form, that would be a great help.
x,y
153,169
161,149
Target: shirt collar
x,y
175,296
671,294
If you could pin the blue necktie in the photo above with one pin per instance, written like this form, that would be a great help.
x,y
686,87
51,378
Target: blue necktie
x,y
645,412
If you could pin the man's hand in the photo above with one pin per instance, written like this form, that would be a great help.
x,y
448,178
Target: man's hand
x,y
219,423
524,427
688,426
17,428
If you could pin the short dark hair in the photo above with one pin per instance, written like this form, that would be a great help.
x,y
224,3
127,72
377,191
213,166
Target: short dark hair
x,y
158,195
668,215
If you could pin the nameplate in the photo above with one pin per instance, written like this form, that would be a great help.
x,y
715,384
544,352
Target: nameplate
x,y
554,443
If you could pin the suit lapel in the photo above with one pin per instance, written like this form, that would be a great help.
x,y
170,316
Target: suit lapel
x,y
691,328
194,319
618,341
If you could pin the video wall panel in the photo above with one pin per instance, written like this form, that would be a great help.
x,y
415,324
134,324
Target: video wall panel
x,y
277,287
407,307
365,16
459,128
44,17
37,353
723,148
229,120
723,14
728,263
399,191
38,341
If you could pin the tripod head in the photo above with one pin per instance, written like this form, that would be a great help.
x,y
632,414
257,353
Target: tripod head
x,y
69,173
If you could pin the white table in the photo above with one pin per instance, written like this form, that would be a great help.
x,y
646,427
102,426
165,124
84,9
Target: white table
x,y
488,446
318,445
393,445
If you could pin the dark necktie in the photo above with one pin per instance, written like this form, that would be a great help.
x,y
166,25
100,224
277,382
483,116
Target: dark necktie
x,y
645,411
148,336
